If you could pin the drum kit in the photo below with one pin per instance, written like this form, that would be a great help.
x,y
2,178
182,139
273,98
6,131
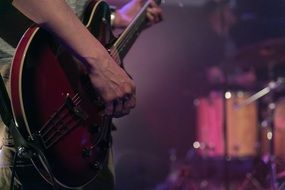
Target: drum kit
x,y
240,133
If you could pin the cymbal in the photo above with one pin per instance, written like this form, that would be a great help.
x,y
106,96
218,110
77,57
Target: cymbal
x,y
265,54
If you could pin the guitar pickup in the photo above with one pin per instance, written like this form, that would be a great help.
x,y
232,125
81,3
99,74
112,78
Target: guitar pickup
x,y
76,110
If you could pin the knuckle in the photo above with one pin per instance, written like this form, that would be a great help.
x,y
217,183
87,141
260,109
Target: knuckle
x,y
108,98
127,90
120,94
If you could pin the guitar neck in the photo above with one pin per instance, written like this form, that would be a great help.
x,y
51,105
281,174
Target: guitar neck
x,y
130,34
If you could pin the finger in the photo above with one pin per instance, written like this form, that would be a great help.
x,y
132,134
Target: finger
x,y
109,107
129,102
154,15
117,106
153,4
150,18
120,110
121,114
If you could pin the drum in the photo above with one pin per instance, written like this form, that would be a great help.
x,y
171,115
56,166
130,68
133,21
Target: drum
x,y
279,134
225,126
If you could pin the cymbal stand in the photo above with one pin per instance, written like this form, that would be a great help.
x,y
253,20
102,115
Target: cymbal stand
x,y
268,122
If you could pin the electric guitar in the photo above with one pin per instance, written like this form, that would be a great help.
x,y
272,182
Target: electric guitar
x,y
54,105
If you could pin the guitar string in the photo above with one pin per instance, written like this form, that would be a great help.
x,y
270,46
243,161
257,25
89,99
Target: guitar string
x,y
57,118
121,44
55,134
76,98
61,125
136,22
106,126
121,41
101,135
55,114
62,129
62,134
53,122
46,128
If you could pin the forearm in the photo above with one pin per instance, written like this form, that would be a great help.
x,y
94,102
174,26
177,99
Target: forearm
x,y
57,17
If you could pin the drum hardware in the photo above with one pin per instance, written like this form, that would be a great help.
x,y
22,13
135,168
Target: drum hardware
x,y
271,86
269,90
250,179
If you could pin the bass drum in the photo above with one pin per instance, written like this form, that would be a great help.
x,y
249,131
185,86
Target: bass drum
x,y
225,127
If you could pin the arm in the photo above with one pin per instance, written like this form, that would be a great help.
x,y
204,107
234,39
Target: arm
x,y
106,76
125,14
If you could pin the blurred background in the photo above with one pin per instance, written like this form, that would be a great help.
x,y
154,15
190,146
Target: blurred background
x,y
190,70
210,111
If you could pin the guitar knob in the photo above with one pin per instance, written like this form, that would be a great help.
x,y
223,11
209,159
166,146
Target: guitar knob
x,y
86,152
104,20
95,165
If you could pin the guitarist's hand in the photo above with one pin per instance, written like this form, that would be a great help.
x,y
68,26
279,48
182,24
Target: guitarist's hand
x,y
125,14
113,84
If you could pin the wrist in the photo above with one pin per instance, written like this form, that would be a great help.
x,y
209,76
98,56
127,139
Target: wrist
x,y
95,62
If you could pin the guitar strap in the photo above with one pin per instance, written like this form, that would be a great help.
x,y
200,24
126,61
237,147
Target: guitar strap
x,y
24,149
5,106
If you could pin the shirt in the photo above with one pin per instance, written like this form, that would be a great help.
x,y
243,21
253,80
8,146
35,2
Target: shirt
x,y
7,51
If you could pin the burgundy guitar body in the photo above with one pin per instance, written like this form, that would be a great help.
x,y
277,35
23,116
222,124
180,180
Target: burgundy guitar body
x,y
54,106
